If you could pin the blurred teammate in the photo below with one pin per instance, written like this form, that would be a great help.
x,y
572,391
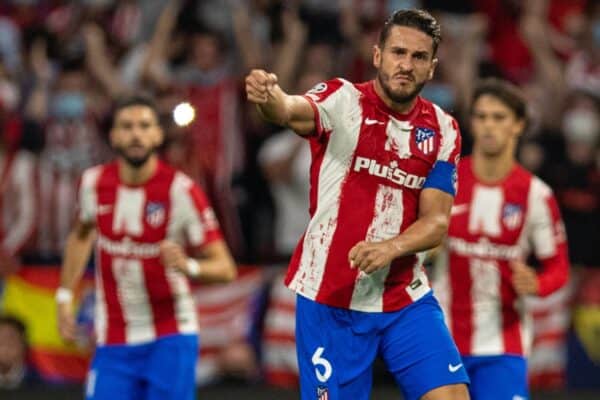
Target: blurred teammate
x,y
501,214
383,161
145,215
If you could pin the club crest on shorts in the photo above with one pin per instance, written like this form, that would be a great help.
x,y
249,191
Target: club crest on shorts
x,y
322,393
425,139
155,214
512,215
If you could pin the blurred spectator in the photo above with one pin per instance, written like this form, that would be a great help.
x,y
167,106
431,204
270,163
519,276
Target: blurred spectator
x,y
66,109
13,353
285,161
17,196
207,79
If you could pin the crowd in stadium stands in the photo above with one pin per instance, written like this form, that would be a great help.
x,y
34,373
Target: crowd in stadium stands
x,y
63,63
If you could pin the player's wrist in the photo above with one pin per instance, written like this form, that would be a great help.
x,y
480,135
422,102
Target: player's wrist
x,y
193,268
63,295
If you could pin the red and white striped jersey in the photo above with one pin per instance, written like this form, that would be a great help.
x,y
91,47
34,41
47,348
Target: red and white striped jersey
x,y
137,298
369,165
491,225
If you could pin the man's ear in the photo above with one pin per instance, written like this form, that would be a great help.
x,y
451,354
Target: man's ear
x,y
434,64
376,56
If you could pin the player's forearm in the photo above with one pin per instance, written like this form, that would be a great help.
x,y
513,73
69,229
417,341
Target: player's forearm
x,y
217,270
77,253
425,233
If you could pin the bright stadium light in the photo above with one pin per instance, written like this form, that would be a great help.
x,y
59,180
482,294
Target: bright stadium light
x,y
184,114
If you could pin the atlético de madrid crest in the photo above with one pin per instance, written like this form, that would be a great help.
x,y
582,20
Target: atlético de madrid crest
x,y
425,139
155,214
512,215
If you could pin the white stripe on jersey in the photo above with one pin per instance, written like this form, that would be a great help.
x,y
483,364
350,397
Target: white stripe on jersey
x,y
448,132
134,300
129,211
185,308
184,215
100,317
542,227
88,202
487,314
335,167
386,223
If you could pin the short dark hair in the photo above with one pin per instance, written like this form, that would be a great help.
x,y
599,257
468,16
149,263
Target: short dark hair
x,y
16,324
135,100
504,91
413,18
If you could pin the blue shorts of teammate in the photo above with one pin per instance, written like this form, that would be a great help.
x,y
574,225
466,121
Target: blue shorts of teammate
x,y
336,348
497,377
164,369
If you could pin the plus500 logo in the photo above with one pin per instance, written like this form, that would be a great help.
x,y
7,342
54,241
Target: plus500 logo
x,y
390,172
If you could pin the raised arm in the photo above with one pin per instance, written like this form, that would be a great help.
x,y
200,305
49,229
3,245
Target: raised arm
x,y
278,107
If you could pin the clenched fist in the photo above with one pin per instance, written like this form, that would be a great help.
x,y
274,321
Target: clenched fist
x,y
524,279
259,84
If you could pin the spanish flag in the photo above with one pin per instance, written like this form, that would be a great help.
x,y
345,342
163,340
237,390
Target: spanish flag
x,y
29,296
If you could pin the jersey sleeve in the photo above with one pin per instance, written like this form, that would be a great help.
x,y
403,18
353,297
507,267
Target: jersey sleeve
x,y
327,100
443,175
548,239
194,218
87,202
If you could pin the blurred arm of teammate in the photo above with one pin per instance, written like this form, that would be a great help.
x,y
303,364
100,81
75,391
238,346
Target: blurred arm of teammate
x,y
77,252
278,107
214,263
425,233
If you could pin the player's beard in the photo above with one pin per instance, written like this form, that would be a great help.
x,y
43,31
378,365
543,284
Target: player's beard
x,y
135,161
397,96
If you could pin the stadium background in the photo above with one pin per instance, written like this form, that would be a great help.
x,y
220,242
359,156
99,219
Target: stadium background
x,y
62,63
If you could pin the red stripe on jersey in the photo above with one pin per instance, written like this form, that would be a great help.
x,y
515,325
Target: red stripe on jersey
x,y
394,294
318,146
461,307
115,320
511,322
161,300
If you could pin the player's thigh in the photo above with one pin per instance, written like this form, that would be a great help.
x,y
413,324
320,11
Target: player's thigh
x,y
171,371
420,352
113,372
334,361
497,377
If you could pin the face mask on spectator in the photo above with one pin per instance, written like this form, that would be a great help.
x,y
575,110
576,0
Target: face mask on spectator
x,y
68,105
581,125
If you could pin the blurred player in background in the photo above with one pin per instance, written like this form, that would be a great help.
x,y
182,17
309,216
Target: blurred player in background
x,y
145,217
501,214
383,161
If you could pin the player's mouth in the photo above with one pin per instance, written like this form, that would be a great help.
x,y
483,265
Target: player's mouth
x,y
402,78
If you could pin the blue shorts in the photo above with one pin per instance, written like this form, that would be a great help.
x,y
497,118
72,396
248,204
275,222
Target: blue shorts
x,y
164,369
336,348
497,377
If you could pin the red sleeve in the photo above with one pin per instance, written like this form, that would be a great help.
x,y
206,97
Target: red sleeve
x,y
555,269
